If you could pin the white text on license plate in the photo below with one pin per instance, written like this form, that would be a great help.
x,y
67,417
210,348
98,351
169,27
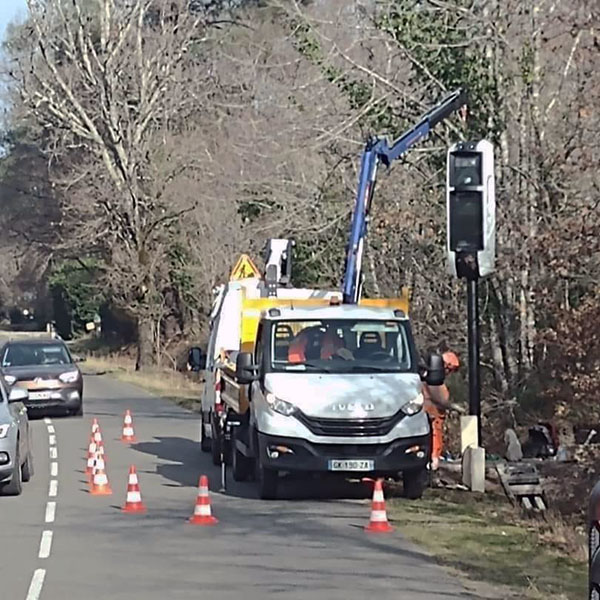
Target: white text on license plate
x,y
351,465
39,395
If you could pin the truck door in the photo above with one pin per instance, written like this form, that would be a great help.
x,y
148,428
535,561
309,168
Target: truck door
x,y
256,390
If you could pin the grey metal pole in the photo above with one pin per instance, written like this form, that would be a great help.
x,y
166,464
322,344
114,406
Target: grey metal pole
x,y
473,342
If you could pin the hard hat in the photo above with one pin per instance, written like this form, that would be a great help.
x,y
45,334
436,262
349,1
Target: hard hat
x,y
451,361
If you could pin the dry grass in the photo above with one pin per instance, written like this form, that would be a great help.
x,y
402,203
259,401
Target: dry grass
x,y
167,383
485,540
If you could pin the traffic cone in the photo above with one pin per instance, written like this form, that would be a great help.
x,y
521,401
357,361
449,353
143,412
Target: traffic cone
x,y
95,426
133,502
128,433
378,522
202,514
91,453
100,485
97,436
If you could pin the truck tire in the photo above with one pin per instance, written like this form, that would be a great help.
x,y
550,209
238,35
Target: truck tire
x,y
215,446
241,466
205,443
266,481
415,482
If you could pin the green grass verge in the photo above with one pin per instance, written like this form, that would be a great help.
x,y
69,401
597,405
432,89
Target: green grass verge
x,y
485,540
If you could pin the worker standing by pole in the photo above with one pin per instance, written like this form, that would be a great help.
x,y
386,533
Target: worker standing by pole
x,y
437,404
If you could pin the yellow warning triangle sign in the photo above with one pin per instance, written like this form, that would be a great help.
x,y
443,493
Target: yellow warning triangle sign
x,y
244,269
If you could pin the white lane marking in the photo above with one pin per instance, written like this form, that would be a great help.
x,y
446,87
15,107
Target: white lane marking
x,y
45,544
51,429
52,440
36,585
53,469
48,420
53,452
53,491
50,512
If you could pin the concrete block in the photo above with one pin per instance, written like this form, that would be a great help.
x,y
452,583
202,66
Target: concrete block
x,y
468,432
473,469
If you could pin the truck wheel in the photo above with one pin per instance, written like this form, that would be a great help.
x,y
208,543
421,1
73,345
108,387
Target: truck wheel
x,y
266,481
414,483
215,446
205,444
241,465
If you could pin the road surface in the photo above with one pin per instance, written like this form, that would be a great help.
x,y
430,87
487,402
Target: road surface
x,y
60,542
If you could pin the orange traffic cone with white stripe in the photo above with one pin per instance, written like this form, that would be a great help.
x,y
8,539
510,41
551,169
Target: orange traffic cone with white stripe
x,y
128,433
95,426
202,514
378,522
100,485
133,502
91,453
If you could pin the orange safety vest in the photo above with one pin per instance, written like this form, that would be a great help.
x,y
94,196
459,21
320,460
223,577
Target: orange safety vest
x,y
297,349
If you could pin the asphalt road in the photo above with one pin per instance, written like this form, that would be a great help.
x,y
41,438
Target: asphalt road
x,y
60,542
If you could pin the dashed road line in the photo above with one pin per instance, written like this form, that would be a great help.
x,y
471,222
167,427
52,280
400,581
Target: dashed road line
x,y
48,421
53,489
53,452
50,512
52,440
51,429
54,469
45,544
36,585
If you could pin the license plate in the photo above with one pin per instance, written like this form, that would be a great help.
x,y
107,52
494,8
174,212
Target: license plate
x,y
39,395
351,465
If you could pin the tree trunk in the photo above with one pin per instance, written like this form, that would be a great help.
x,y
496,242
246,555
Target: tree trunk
x,y
145,343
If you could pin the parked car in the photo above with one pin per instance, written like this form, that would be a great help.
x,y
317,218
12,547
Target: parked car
x,y
16,459
46,369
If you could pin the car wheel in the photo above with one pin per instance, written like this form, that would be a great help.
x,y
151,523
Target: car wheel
x,y
15,487
414,483
27,470
78,412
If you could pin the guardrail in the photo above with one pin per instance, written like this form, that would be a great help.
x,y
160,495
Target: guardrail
x,y
594,544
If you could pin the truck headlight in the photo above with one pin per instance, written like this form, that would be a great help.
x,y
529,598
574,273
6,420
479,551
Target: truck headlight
x,y
281,406
4,429
69,376
10,379
414,406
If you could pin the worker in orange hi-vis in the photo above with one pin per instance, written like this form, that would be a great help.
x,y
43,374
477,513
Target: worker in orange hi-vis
x,y
437,403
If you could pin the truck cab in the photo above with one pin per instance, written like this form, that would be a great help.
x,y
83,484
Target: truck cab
x,y
333,389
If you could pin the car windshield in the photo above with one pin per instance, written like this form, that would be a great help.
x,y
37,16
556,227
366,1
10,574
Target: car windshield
x,y
23,355
340,346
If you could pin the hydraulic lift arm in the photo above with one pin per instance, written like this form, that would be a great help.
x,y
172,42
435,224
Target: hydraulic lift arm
x,y
377,150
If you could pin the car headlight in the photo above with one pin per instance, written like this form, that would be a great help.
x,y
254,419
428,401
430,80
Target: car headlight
x,y
414,406
4,429
281,406
69,376
10,379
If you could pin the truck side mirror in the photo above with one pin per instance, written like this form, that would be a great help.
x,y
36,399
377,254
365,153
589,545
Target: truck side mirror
x,y
245,370
436,372
196,359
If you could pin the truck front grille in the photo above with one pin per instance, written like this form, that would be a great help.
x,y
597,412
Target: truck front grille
x,y
350,427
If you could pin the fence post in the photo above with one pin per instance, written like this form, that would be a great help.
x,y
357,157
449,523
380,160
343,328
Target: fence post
x,y
594,544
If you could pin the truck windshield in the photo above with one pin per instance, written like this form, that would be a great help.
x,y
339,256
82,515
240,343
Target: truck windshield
x,y
340,346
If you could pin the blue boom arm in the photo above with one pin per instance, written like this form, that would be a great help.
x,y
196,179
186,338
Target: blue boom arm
x,y
377,150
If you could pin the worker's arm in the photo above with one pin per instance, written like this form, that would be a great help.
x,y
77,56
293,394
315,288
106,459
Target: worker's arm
x,y
440,396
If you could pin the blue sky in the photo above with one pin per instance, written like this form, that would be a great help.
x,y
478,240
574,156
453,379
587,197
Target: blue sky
x,y
9,10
